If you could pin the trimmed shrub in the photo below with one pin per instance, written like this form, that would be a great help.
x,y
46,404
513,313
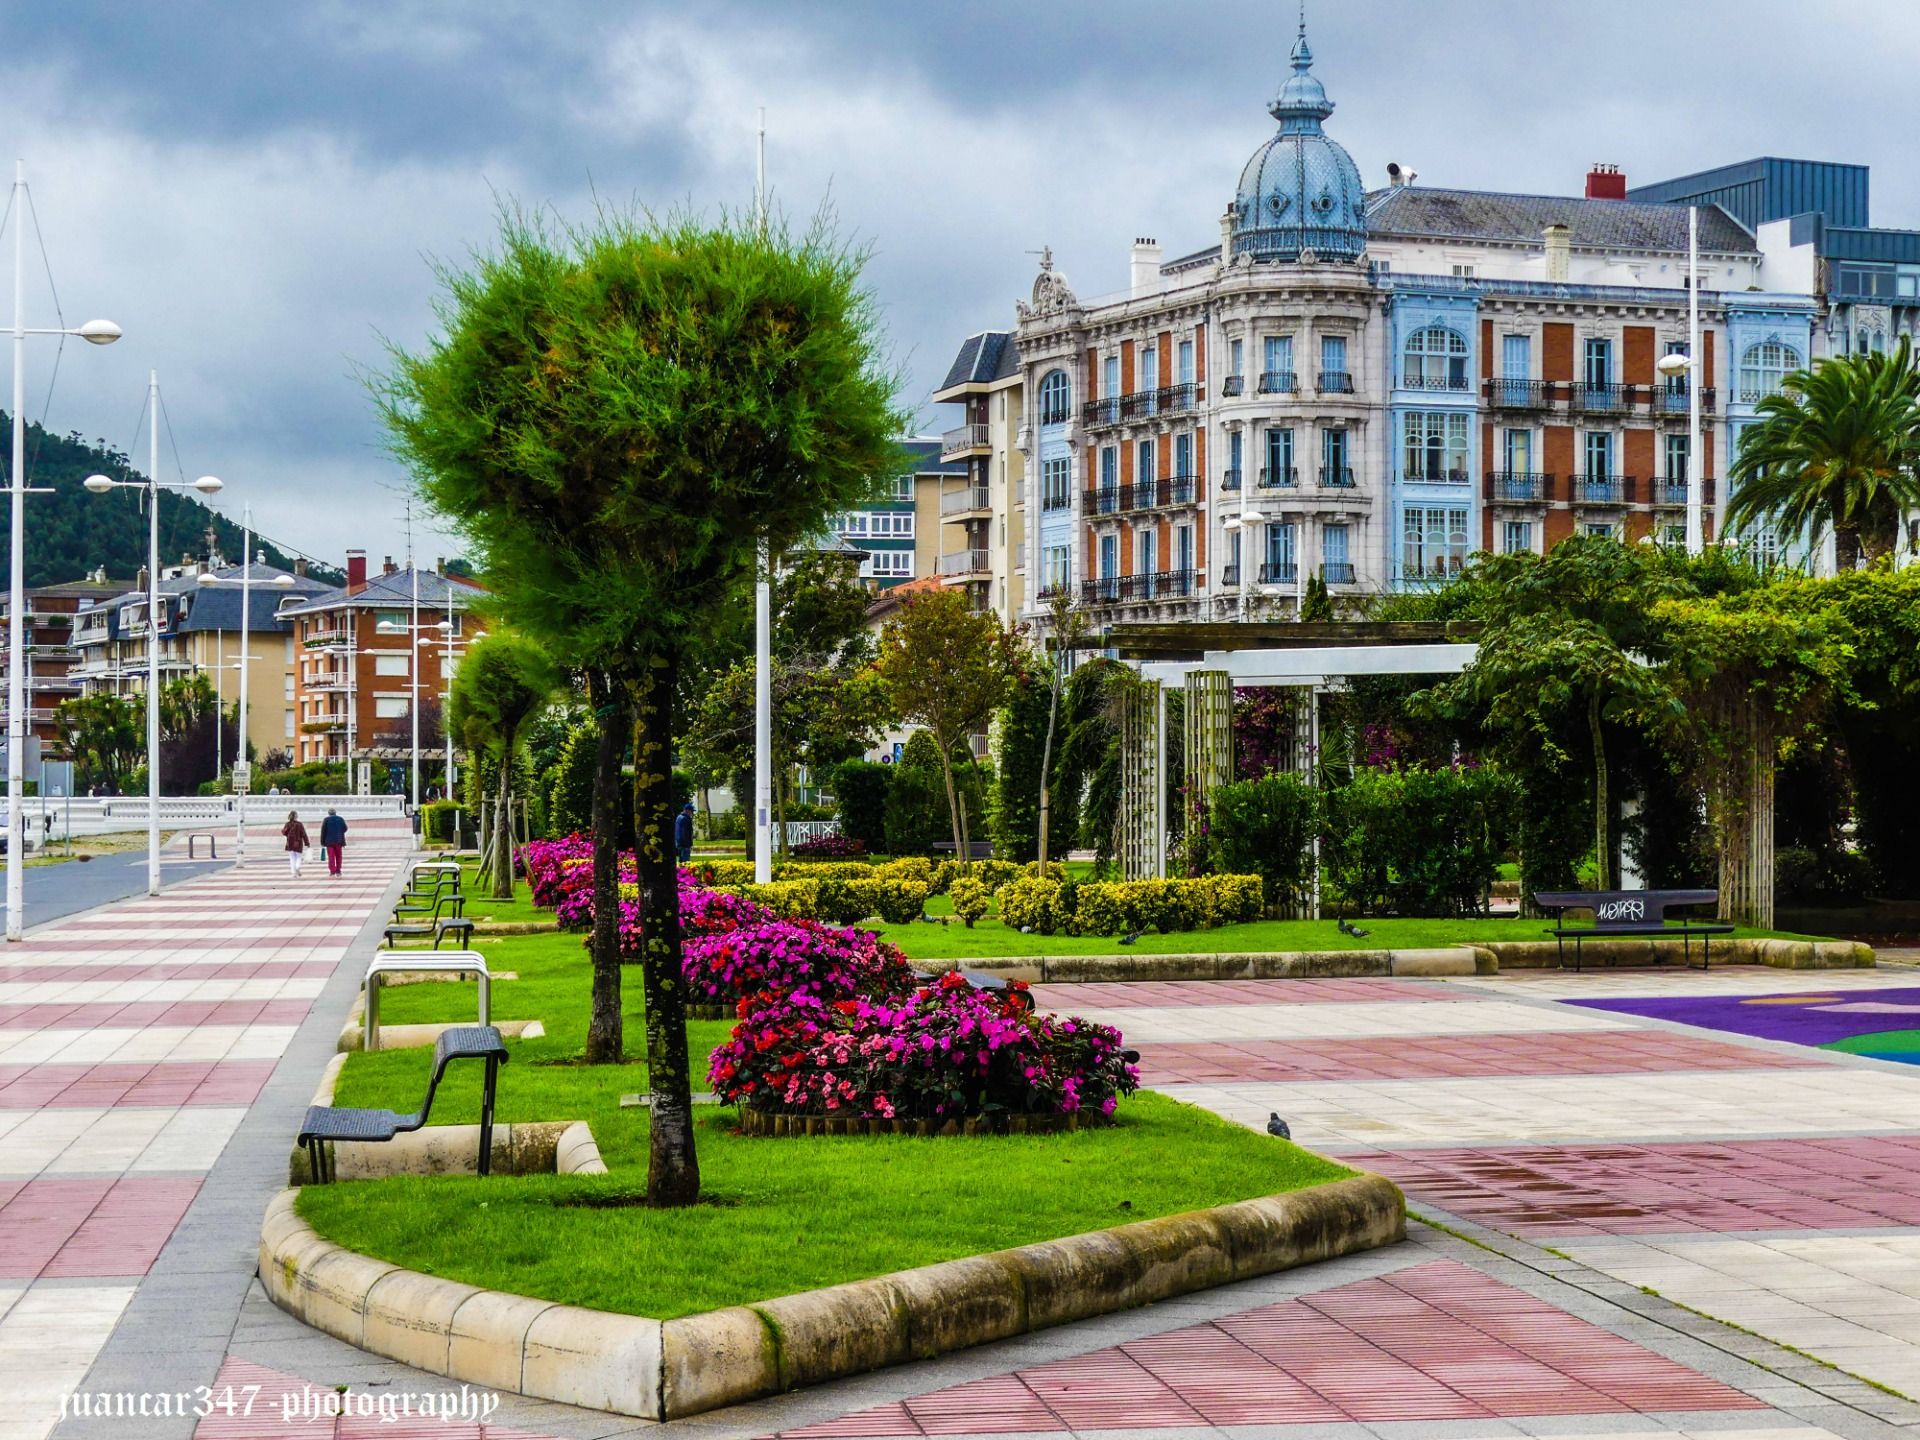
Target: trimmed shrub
x,y
861,787
1035,904
843,902
437,821
969,898
829,847
1420,841
1814,877
1265,827
1120,907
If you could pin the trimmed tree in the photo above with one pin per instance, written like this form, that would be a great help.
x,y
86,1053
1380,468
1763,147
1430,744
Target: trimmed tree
x,y
946,665
503,681
617,417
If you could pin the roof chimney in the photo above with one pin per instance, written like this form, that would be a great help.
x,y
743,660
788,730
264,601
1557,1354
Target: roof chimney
x,y
387,567
1558,240
300,567
1605,182
440,565
1146,266
356,571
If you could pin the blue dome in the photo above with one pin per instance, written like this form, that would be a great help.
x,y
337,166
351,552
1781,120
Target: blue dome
x,y
1301,190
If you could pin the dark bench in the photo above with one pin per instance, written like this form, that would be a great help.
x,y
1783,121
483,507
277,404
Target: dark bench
x,y
1619,914
976,849
450,904
457,926
327,1123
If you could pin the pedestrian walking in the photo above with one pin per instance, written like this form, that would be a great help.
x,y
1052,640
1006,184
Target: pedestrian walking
x,y
297,842
333,839
683,833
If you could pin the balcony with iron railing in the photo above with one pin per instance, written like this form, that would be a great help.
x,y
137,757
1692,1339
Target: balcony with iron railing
x,y
1434,382
1229,577
1278,382
966,564
1233,385
1600,489
339,635
1433,570
1278,477
1133,589
962,440
1336,382
1156,494
1519,394
1671,494
1521,486
1604,399
1337,572
1435,474
966,500
1103,501
1230,478
1279,572
1095,413
1336,477
1165,400
1052,500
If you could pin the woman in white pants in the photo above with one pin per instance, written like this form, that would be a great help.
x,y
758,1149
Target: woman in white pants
x,y
297,842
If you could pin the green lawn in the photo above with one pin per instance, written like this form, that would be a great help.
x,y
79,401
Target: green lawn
x,y
783,1215
990,939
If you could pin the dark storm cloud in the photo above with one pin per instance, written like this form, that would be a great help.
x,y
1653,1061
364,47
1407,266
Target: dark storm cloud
x,y
252,190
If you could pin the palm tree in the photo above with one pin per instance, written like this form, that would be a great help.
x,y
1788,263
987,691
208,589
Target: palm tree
x,y
1838,446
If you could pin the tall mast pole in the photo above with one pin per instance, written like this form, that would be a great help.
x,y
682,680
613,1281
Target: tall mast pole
x,y
246,651
153,632
16,635
762,620
1696,377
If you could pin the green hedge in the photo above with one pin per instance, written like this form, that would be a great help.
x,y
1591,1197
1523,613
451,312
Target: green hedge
x,y
437,821
1121,907
1419,841
839,901
1265,827
860,789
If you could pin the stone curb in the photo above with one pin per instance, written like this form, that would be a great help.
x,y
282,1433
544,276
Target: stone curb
x,y
663,1370
1726,950
407,1037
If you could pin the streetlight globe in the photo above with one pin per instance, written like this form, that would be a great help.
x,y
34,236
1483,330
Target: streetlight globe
x,y
1673,365
99,332
98,484
281,580
207,484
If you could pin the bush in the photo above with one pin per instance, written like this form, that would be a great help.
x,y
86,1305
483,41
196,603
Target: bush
x,y
916,812
946,1052
1121,907
1420,841
842,901
790,957
1265,827
861,789
570,793
438,821
1034,904
1817,877
969,898
829,847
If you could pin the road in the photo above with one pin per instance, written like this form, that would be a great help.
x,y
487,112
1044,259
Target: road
x,y
55,891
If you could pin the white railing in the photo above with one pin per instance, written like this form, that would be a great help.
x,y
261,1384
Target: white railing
x,y
177,810
799,832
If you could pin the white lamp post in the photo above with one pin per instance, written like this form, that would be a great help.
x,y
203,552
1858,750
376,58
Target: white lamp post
x,y
451,650
441,628
1674,366
95,332
242,765
205,485
1242,525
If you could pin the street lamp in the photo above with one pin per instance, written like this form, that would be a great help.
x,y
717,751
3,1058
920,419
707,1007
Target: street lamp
x,y
243,769
101,485
453,649
440,627
1679,365
94,332
1235,524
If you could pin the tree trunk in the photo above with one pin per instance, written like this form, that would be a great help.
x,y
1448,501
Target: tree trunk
x,y
503,827
673,1170
1046,761
1745,803
603,1029
1602,845
953,809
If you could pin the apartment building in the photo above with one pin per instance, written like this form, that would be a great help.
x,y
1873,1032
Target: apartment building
x,y
897,537
48,624
199,633
1368,386
983,516
355,656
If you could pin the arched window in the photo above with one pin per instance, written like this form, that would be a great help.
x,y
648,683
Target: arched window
x,y
1765,365
1056,396
1436,359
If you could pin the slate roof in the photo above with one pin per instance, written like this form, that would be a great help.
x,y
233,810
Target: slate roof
x,y
1419,211
984,358
217,607
395,590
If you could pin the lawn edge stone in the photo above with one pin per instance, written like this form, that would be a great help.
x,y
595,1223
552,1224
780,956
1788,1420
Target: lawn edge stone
x,y
663,1370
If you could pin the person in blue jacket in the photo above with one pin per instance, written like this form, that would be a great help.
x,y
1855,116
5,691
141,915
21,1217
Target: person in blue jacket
x,y
333,840
683,833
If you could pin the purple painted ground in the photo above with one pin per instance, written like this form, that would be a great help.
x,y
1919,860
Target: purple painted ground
x,y
1810,1019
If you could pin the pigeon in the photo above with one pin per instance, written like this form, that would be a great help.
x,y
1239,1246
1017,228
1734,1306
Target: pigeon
x,y
1277,1126
1131,936
1353,930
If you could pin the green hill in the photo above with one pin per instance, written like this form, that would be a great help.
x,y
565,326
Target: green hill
x,y
71,531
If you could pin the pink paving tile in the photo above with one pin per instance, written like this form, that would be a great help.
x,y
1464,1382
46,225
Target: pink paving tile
x,y
1422,1057
140,1014
1161,994
90,1227
1542,1190
1431,1342
168,1083
278,1406
173,970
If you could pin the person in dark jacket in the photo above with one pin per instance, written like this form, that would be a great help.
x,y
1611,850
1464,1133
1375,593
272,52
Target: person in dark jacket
x,y
297,842
683,833
333,840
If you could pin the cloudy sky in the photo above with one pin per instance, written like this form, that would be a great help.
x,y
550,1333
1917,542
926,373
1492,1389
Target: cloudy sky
x,y
254,192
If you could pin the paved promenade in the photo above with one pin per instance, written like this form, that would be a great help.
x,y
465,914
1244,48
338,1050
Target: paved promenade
x,y
1626,1225
133,1041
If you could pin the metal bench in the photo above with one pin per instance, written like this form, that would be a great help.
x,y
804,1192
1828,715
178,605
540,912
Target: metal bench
x,y
427,867
395,962
458,926
976,849
327,1123
1620,914
448,903
194,837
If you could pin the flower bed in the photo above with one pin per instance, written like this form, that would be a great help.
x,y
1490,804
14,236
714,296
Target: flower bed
x,y
784,957
945,1052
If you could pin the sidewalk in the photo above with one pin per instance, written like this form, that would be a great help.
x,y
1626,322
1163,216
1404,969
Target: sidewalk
x,y
133,1041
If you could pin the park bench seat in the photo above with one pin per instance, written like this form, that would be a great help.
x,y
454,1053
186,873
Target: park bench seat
x,y
459,927
451,904
1628,914
976,849
414,962
327,1123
